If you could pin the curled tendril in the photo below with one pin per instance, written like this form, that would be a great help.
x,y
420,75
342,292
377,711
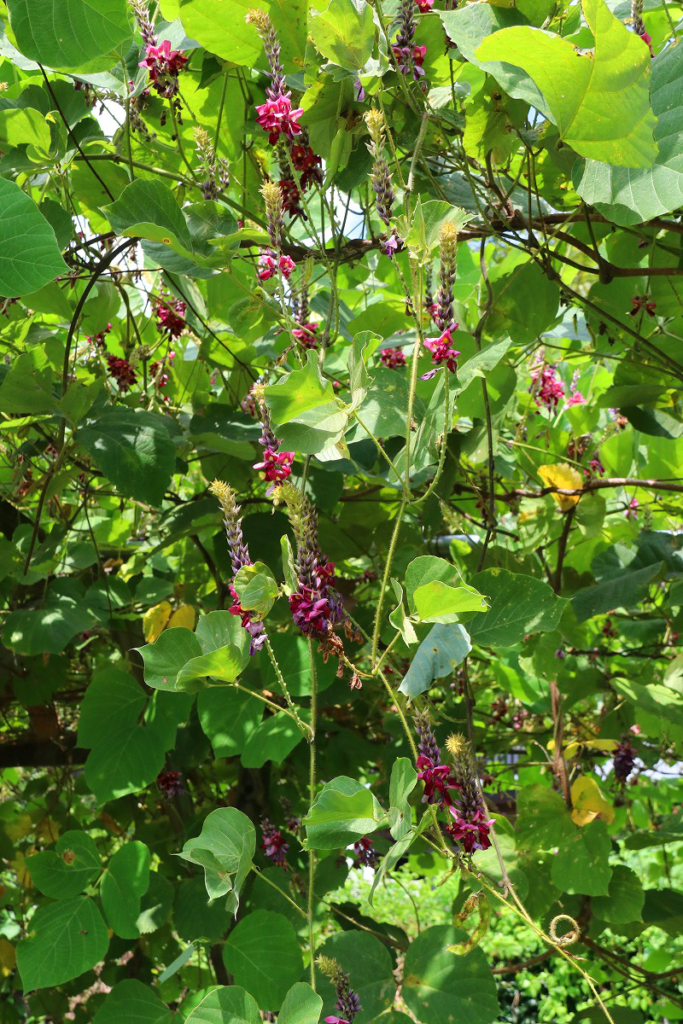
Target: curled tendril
x,y
570,937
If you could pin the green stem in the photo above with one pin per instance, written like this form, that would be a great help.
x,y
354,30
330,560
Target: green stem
x,y
311,796
417,305
306,729
385,580
275,886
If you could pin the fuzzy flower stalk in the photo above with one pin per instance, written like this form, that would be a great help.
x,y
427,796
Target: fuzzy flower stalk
x,y
271,260
216,174
439,784
163,64
638,23
276,465
276,115
348,1003
316,606
471,826
441,347
239,557
409,57
380,177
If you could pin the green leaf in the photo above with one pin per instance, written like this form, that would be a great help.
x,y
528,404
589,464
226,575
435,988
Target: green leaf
x,y
29,256
262,953
427,220
148,209
65,939
468,26
224,30
437,602
224,848
225,1006
519,605
169,653
228,718
66,871
225,664
133,1002
441,987
599,101
24,127
49,629
69,33
28,386
341,813
582,863
125,754
301,1005
402,783
425,569
155,905
439,654
631,195
623,591
292,656
257,589
344,33
625,898
133,450
398,618
368,963
305,412
194,918
273,740
654,699
544,821
123,885
524,304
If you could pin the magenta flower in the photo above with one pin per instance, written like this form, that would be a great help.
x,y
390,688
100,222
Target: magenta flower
x,y
546,386
307,334
170,319
410,60
366,854
277,118
274,845
392,357
632,510
335,1020
256,630
164,65
472,834
441,349
276,465
122,372
639,302
437,780
576,399
425,5
269,267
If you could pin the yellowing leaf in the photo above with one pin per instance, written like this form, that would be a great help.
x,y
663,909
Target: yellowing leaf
x,y
182,616
607,745
589,803
47,830
23,876
562,476
154,620
8,958
18,827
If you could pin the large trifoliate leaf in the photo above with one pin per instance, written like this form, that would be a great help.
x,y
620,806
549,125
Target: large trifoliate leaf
x,y
132,1001
344,33
64,940
68,869
123,885
69,33
439,654
29,256
133,449
342,812
231,1005
519,605
224,848
631,195
441,987
263,955
599,101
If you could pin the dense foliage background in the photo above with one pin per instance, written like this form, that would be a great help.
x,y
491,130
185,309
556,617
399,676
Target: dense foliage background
x,y
397,286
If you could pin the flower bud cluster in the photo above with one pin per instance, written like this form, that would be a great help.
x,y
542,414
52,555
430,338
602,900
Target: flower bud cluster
x,y
348,1004
380,177
216,173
